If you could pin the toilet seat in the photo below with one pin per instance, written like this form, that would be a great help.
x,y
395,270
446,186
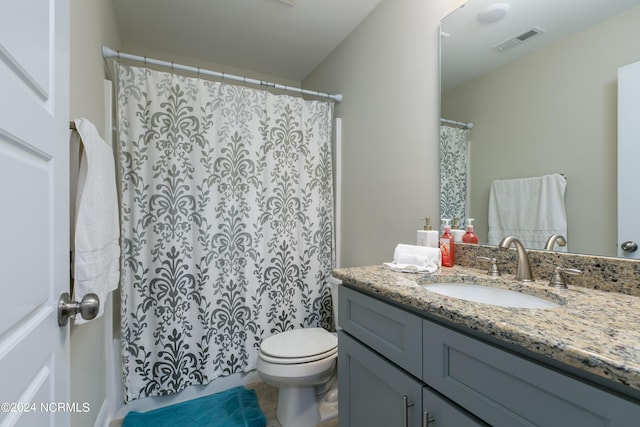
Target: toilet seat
x,y
298,346
296,360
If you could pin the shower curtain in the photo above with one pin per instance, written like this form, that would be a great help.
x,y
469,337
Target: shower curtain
x,y
454,173
227,225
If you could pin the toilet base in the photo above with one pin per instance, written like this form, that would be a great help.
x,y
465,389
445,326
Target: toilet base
x,y
328,405
297,407
302,407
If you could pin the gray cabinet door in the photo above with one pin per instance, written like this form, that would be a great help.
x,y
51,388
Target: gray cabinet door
x,y
438,411
372,390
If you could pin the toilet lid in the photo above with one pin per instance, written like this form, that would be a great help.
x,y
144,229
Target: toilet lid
x,y
298,360
299,343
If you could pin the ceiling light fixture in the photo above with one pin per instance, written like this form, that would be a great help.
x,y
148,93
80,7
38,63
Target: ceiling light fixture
x,y
493,13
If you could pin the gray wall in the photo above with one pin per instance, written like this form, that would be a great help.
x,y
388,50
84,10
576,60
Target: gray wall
x,y
195,62
387,70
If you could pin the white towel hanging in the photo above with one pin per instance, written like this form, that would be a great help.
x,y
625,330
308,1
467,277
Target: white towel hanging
x,y
530,209
96,244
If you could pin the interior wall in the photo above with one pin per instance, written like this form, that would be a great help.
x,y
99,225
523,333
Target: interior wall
x,y
388,71
195,62
527,127
92,25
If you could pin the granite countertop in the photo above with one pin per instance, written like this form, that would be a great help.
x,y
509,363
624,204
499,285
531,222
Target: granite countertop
x,y
593,330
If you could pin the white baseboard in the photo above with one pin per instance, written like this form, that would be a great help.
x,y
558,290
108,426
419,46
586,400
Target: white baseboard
x,y
102,420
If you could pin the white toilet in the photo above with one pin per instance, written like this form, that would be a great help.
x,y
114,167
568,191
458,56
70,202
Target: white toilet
x,y
302,363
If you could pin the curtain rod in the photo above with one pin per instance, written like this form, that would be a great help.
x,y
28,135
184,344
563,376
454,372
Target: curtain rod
x,y
466,125
110,53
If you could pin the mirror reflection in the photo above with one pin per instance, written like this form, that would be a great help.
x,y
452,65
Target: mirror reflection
x,y
543,105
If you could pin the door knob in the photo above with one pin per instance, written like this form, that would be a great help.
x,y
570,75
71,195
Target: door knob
x,y
88,307
629,246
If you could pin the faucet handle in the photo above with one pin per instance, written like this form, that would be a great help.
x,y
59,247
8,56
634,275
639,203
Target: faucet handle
x,y
556,277
493,267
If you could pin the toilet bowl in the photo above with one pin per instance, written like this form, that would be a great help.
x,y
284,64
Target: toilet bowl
x,y
302,363
299,362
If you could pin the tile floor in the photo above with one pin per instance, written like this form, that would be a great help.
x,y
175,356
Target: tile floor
x,y
268,399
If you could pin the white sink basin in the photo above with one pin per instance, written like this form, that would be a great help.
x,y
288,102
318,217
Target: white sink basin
x,y
489,295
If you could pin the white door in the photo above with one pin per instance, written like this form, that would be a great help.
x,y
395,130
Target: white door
x,y
628,161
34,211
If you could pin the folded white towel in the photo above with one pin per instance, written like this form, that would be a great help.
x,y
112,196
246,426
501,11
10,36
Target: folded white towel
x,y
97,230
530,209
415,259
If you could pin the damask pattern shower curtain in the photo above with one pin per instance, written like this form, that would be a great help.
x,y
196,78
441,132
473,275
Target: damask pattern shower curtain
x,y
227,225
454,173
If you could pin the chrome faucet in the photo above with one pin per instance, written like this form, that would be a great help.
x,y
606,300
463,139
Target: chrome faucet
x,y
553,239
556,278
523,271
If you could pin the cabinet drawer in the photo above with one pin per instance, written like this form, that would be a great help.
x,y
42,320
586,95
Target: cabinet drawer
x,y
506,390
390,331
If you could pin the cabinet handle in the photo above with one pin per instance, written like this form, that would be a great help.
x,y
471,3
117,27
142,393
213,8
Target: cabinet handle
x,y
426,419
405,410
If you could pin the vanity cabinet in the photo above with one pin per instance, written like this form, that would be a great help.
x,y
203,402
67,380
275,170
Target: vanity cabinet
x,y
461,380
375,392
380,369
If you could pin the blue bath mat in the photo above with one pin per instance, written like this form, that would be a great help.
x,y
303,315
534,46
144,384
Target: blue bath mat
x,y
236,407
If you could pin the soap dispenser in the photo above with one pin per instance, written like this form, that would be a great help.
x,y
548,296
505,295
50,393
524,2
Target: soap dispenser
x,y
447,245
456,230
470,236
427,236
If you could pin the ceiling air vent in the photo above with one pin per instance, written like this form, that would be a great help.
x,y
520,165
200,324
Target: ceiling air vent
x,y
514,41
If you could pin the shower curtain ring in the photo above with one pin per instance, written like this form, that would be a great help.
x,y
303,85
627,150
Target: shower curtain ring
x,y
145,61
198,73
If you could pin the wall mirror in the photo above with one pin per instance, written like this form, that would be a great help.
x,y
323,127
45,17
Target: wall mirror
x,y
544,104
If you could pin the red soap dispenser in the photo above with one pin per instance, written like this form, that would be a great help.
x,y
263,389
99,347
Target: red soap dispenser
x,y
446,244
470,236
